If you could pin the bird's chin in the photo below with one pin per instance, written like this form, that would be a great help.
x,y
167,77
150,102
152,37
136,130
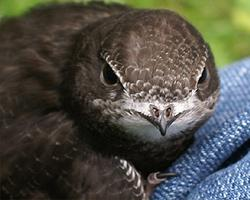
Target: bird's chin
x,y
144,130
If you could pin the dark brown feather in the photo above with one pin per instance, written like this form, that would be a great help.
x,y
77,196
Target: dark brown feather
x,y
53,143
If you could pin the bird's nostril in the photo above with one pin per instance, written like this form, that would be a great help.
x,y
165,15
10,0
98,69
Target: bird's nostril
x,y
168,112
156,112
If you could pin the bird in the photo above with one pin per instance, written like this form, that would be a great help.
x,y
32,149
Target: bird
x,y
96,98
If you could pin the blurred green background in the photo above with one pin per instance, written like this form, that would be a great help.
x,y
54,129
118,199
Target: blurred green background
x,y
225,24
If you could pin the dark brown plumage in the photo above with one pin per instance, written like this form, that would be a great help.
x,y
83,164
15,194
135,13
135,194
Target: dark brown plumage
x,y
84,87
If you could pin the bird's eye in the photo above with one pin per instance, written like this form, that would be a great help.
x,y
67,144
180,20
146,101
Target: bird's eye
x,y
204,76
108,76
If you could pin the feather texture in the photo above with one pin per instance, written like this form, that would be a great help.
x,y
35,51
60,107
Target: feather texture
x,y
59,131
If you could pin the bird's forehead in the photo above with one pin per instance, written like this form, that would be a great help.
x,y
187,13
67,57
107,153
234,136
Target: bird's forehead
x,y
160,59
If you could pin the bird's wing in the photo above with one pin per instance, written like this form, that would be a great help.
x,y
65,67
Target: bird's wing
x,y
43,156
34,150
106,178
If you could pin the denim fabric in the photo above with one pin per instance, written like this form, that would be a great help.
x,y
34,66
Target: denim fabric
x,y
217,165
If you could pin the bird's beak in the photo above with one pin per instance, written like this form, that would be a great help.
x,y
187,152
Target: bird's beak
x,y
163,124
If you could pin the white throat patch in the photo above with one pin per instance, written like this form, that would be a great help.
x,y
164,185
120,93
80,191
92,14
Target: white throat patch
x,y
193,108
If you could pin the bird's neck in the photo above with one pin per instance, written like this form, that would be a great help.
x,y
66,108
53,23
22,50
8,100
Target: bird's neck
x,y
147,156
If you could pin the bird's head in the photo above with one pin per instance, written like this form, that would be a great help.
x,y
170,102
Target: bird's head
x,y
147,73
